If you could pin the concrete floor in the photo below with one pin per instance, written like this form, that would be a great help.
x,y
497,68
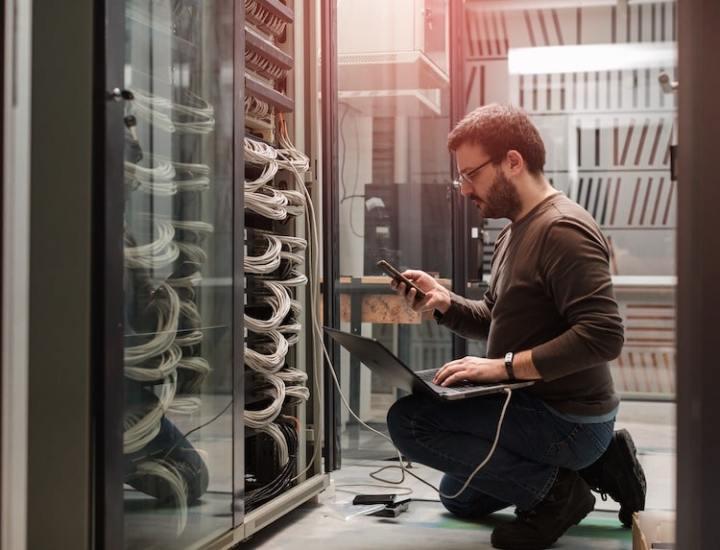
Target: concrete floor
x,y
324,523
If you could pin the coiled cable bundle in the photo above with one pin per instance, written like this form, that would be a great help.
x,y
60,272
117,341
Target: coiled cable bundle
x,y
263,19
262,66
280,303
142,424
273,388
167,304
159,253
268,357
174,117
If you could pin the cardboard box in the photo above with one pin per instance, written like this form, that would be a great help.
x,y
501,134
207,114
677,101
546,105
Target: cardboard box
x,y
653,530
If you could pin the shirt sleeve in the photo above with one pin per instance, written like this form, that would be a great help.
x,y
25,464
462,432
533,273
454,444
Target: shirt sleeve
x,y
574,267
468,318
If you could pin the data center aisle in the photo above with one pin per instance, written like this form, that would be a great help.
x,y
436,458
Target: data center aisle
x,y
427,525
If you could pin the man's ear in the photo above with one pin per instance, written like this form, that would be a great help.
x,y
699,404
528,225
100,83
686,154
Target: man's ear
x,y
516,162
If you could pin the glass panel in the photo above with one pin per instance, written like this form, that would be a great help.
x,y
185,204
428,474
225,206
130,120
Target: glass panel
x,y
178,271
589,77
394,202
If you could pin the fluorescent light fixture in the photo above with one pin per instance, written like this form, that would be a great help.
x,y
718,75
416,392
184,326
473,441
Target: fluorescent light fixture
x,y
516,5
592,57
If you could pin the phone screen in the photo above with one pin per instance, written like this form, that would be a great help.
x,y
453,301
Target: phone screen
x,y
395,274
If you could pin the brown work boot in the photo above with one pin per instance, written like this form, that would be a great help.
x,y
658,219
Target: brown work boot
x,y
566,504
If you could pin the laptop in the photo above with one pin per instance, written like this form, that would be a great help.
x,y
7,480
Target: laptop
x,y
384,363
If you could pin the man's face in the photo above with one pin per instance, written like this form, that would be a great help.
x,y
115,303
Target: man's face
x,y
491,191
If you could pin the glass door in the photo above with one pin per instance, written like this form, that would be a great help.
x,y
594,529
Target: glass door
x,y
394,194
178,271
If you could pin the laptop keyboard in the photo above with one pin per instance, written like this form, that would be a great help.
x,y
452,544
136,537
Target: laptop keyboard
x,y
427,376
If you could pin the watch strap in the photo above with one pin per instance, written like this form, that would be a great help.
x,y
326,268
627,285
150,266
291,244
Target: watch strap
x,y
509,356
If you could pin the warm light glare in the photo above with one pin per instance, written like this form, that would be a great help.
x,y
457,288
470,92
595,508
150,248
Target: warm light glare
x,y
588,58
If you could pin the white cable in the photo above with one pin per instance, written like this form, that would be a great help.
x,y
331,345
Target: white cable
x,y
263,19
296,279
167,305
189,339
197,365
292,376
185,404
189,311
193,226
267,202
259,419
156,180
159,253
172,117
291,333
167,365
166,177
298,393
270,169
269,260
141,429
268,357
279,301
193,253
187,282
276,433
263,66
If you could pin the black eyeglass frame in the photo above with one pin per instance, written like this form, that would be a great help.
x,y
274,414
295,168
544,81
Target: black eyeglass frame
x,y
467,177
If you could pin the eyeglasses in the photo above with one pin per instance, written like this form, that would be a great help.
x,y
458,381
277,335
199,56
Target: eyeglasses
x,y
467,177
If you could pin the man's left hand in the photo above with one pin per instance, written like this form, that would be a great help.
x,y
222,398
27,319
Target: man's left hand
x,y
471,369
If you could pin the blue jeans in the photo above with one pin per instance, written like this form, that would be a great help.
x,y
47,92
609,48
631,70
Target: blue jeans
x,y
454,437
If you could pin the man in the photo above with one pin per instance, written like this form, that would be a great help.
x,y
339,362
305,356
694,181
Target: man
x,y
549,315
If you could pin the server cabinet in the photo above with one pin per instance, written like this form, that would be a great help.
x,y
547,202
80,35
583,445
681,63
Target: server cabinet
x,y
208,401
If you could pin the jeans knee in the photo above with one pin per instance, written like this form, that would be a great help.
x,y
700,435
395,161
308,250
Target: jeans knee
x,y
399,418
458,507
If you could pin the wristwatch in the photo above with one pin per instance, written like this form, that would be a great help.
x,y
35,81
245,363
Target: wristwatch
x,y
509,366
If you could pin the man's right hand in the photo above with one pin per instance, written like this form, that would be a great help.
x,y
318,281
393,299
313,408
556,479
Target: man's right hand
x,y
436,295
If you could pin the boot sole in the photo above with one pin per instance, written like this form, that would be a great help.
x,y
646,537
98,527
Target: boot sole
x,y
635,500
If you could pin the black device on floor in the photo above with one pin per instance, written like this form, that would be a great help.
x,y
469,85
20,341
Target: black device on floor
x,y
393,510
384,363
375,499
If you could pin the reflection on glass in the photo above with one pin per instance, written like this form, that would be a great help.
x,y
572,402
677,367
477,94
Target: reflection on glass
x,y
394,174
177,279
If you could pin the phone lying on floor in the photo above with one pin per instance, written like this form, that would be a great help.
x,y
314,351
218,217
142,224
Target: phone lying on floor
x,y
400,278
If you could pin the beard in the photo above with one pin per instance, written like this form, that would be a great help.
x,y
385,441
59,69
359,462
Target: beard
x,y
502,199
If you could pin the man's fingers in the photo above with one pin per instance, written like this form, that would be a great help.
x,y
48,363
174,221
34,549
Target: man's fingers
x,y
413,274
458,376
410,297
447,371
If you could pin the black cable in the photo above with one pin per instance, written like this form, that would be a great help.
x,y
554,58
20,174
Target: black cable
x,y
186,434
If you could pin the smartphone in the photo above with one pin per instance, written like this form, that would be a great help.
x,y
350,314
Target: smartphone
x,y
400,278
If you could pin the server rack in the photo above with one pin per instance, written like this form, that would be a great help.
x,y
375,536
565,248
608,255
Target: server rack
x,y
208,389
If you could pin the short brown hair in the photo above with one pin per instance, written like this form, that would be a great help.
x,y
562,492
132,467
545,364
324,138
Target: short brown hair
x,y
498,129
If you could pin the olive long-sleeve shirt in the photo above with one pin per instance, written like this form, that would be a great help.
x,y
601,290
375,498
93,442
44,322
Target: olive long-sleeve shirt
x,y
551,292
